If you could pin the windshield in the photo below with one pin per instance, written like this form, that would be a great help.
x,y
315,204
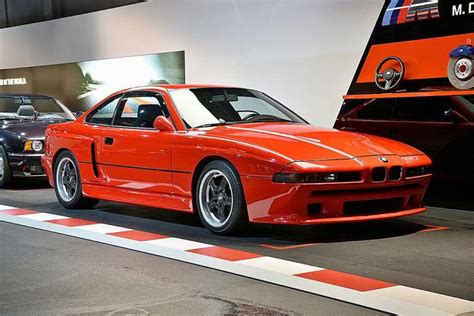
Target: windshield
x,y
206,107
41,108
468,101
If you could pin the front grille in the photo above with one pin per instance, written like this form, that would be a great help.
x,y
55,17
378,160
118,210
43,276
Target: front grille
x,y
379,174
395,173
372,206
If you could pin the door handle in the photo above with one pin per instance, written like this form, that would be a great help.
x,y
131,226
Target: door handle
x,y
109,140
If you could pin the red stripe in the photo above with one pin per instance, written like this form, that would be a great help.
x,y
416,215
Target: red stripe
x,y
225,253
18,211
138,235
71,222
346,280
402,15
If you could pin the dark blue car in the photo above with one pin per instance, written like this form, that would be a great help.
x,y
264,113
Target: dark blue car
x,y
23,121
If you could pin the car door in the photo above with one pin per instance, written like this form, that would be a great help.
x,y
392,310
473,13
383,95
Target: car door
x,y
133,154
424,123
371,116
418,121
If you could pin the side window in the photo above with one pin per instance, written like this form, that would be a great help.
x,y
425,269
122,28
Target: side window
x,y
407,109
436,109
467,101
105,114
140,111
349,105
379,109
425,109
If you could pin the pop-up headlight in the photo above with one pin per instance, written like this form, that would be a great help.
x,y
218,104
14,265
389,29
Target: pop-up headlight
x,y
317,177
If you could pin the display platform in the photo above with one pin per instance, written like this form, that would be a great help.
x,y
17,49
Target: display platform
x,y
427,254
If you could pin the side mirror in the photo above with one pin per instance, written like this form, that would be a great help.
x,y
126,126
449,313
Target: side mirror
x,y
458,117
162,124
77,114
455,116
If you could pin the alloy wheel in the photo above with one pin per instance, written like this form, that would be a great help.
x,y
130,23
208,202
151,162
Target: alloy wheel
x,y
2,168
66,179
216,198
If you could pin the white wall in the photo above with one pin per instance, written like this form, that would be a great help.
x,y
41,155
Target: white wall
x,y
302,52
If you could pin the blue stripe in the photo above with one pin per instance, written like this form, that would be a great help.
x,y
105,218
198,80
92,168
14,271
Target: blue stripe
x,y
388,13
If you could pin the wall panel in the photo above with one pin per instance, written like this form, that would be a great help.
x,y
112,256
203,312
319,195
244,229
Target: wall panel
x,y
302,52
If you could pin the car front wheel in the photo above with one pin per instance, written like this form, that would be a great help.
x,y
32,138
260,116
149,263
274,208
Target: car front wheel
x,y
220,198
67,183
5,170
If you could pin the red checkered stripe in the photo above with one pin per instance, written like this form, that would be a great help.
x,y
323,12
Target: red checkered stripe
x,y
433,302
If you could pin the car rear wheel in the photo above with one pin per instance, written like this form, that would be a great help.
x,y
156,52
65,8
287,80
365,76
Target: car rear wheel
x,y
5,170
67,183
220,198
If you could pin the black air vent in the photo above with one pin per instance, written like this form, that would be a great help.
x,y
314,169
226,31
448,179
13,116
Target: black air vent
x,y
379,174
370,207
395,173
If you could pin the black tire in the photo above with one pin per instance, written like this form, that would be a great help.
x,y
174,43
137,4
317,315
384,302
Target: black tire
x,y
5,169
236,213
76,199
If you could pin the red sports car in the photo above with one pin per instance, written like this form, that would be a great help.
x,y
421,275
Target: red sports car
x,y
231,155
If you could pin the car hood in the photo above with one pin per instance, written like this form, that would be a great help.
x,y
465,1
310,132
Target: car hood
x,y
28,128
307,142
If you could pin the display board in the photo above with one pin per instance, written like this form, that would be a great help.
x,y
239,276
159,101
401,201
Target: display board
x,y
82,84
425,36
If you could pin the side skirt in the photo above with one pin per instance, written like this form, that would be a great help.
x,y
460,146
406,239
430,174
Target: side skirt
x,y
162,201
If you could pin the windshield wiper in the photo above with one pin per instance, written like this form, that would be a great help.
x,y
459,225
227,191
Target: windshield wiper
x,y
221,122
267,118
211,124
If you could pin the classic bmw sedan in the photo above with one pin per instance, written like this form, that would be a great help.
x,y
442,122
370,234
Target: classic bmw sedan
x,y
232,156
23,120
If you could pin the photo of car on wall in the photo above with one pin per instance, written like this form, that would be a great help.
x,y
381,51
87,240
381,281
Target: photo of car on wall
x,y
82,84
23,119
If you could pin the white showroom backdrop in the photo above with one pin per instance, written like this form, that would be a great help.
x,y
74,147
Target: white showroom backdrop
x,y
302,52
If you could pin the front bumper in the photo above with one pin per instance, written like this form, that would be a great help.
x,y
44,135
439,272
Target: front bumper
x,y
310,204
26,165
324,203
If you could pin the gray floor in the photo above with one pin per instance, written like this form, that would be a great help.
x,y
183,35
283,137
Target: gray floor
x,y
54,273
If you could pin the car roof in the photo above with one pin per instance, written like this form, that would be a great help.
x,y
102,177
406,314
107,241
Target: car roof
x,y
177,87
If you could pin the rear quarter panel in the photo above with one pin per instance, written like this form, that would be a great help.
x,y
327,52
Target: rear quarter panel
x,y
72,137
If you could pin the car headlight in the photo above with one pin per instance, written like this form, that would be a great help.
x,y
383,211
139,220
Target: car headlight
x,y
317,177
418,171
37,145
33,145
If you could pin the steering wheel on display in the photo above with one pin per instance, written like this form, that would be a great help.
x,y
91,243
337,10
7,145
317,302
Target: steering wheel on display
x,y
390,78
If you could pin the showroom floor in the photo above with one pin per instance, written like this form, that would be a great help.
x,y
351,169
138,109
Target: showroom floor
x,y
60,274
